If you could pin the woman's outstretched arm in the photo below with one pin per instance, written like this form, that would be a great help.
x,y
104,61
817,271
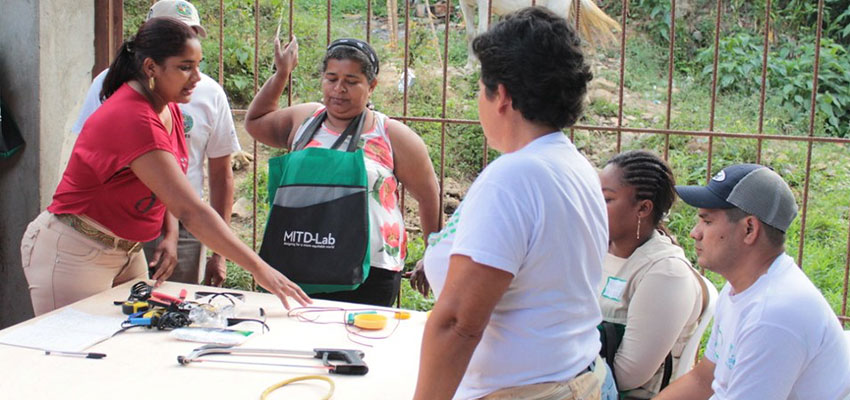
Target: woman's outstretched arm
x,y
159,171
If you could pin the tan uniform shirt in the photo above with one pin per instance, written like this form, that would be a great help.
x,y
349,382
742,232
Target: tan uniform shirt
x,y
656,294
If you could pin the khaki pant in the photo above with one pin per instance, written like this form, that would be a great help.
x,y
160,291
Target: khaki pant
x,y
585,386
63,266
191,257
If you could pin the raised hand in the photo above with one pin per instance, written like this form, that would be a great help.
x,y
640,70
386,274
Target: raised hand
x,y
286,58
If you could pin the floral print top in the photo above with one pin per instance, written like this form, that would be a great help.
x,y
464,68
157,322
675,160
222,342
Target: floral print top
x,y
388,238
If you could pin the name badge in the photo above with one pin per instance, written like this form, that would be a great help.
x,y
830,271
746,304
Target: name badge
x,y
614,288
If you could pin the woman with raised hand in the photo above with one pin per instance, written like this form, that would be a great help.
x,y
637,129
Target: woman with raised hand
x,y
649,290
127,167
393,153
516,268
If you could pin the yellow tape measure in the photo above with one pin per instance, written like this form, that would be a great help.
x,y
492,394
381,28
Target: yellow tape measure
x,y
370,321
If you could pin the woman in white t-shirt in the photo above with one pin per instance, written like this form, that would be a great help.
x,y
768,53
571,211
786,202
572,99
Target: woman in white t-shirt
x,y
648,286
516,267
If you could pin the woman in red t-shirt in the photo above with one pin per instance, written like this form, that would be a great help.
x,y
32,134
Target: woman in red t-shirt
x,y
127,166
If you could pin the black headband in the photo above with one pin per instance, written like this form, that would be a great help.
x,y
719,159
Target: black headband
x,y
359,45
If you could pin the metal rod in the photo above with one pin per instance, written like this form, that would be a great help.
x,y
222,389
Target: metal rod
x,y
713,88
622,74
763,77
812,113
670,61
263,363
221,43
369,22
328,25
846,275
443,110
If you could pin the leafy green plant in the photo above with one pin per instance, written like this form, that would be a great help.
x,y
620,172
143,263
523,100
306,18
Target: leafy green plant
x,y
791,67
792,74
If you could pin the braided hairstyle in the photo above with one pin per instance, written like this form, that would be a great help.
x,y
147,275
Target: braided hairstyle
x,y
652,179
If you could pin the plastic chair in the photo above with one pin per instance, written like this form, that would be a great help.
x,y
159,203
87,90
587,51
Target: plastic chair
x,y
689,353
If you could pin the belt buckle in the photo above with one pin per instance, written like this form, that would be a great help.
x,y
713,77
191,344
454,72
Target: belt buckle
x,y
135,247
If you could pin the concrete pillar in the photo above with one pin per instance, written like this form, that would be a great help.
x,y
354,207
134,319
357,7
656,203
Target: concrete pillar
x,y
46,58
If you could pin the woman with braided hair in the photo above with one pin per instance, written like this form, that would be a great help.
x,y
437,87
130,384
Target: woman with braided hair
x,y
648,285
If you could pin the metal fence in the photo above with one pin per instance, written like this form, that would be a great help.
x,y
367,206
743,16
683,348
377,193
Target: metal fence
x,y
108,9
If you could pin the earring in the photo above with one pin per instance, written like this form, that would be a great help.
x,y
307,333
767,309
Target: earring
x,y
638,229
151,83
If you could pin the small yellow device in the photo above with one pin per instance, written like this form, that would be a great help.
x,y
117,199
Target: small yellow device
x,y
402,315
370,321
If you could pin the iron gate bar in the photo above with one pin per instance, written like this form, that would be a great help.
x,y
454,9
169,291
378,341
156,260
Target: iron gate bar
x,y
763,76
713,88
622,73
670,61
846,274
485,159
812,113
440,204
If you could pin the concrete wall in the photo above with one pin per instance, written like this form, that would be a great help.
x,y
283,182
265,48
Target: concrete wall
x,y
46,57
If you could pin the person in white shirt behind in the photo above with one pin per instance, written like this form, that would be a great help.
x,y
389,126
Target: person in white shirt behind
x,y
516,267
774,335
211,135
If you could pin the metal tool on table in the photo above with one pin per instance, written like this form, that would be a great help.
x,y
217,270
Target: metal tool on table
x,y
346,362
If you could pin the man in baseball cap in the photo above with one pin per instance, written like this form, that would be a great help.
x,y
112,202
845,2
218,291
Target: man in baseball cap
x,y
180,10
774,334
211,136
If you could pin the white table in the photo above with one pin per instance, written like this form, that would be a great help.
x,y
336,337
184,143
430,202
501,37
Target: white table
x,y
143,363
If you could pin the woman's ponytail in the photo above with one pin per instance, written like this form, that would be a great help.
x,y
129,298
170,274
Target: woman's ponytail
x,y
125,67
157,39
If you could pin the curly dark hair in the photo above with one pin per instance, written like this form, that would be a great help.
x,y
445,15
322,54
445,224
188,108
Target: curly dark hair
x,y
537,57
651,177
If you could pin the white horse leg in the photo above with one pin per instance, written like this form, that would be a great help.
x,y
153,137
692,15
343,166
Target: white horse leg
x,y
466,10
483,16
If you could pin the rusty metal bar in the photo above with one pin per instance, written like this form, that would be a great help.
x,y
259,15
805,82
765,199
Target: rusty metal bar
x,y
291,33
670,62
443,110
763,76
578,18
485,159
714,88
254,141
812,113
328,25
676,132
578,15
846,275
622,73
369,24
221,43
406,64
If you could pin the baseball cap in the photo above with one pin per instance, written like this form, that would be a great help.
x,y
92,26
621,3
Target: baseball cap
x,y
753,188
180,10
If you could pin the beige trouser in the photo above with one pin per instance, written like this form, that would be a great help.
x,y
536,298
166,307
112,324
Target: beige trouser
x,y
191,257
63,266
585,386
